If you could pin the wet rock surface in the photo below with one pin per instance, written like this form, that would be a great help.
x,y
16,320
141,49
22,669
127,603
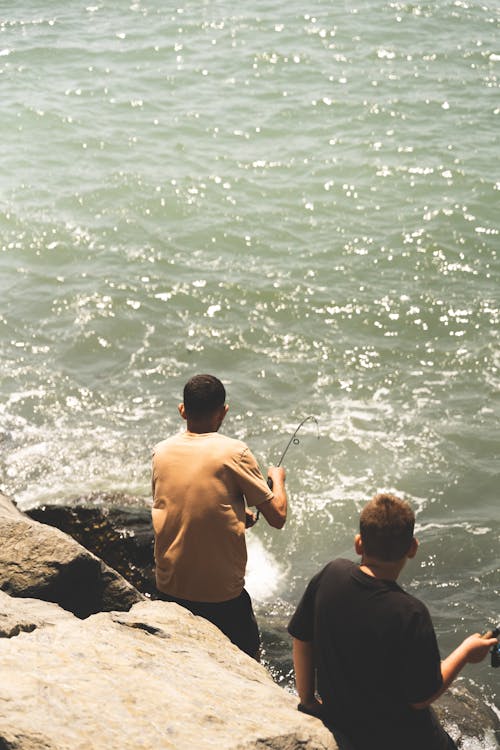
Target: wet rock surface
x,y
466,717
116,528
37,561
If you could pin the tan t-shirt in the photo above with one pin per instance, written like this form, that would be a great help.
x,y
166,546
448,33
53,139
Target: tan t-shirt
x,y
200,484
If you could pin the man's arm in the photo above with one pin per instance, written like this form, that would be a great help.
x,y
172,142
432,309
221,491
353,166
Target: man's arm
x,y
471,651
305,675
274,511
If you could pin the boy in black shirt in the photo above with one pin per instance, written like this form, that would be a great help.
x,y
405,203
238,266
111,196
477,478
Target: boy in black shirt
x,y
371,646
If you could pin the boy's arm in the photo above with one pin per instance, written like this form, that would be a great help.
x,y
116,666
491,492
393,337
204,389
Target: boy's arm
x,y
471,651
305,681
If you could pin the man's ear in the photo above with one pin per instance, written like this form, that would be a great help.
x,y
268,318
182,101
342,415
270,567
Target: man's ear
x,y
222,415
358,544
182,411
413,548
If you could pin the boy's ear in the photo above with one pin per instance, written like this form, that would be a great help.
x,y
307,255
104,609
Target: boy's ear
x,y
182,411
413,548
358,544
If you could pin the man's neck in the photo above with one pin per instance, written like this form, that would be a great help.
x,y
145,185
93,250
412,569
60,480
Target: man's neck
x,y
199,431
201,428
206,422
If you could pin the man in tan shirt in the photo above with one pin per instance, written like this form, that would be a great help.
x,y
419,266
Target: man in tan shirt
x,y
202,484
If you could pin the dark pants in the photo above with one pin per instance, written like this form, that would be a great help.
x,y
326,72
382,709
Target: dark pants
x,y
430,735
344,743
235,618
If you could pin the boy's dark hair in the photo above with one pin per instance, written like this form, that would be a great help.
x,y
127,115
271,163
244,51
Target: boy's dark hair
x,y
203,395
386,526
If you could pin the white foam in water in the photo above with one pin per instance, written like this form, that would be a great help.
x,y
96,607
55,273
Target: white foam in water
x,y
488,742
264,574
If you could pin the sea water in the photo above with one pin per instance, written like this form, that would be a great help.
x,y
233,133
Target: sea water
x,y
301,199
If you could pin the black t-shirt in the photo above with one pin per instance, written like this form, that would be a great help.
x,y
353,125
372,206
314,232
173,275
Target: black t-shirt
x,y
375,653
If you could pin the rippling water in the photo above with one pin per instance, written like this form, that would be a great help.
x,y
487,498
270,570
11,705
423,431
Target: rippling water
x,y
304,202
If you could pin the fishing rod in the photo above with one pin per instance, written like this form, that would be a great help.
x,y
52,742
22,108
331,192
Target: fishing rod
x,y
294,440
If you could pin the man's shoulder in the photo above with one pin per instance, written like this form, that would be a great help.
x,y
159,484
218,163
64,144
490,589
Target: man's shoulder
x,y
231,448
166,442
234,443
215,440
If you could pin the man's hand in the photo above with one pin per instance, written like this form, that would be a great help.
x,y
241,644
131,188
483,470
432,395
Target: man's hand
x,y
274,511
250,519
277,475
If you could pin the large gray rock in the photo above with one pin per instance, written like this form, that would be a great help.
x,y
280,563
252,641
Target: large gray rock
x,y
26,615
153,677
42,562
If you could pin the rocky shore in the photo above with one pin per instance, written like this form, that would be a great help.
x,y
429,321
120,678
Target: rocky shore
x,y
90,662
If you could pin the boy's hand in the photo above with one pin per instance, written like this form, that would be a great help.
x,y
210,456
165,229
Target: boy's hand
x,y
312,707
477,647
471,651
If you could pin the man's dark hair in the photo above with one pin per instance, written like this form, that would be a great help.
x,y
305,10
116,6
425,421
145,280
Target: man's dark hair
x,y
386,526
203,395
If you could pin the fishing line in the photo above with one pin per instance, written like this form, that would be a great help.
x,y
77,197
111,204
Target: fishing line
x,y
294,440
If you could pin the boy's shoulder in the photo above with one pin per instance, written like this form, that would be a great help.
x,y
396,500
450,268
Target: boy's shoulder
x,y
334,572
339,565
341,568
